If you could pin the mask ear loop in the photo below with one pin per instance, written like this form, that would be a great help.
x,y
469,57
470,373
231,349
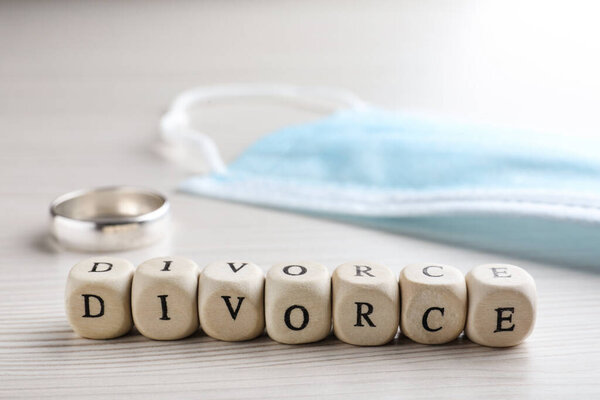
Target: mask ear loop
x,y
175,124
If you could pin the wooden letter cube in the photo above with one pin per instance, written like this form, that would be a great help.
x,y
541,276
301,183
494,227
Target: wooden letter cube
x,y
231,300
97,297
366,305
434,303
164,298
298,302
502,305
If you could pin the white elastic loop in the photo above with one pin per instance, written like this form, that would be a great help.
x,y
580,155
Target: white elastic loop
x,y
175,123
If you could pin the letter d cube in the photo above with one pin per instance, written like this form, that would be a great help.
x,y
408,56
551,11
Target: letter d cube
x,y
97,297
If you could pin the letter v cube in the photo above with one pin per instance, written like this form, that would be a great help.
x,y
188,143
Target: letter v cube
x,y
230,300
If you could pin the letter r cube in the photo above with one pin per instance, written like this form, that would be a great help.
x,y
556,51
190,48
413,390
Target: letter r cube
x,y
366,308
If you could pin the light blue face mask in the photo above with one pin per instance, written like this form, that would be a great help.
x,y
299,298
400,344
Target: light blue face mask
x,y
522,193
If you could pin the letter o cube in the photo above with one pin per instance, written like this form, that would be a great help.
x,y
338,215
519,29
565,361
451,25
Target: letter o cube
x,y
434,303
164,298
97,297
502,305
231,300
366,307
298,302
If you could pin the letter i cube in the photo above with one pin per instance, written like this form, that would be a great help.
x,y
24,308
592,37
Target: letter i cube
x,y
97,297
163,298
502,305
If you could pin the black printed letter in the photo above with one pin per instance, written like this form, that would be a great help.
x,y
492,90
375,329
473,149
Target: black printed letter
x,y
163,304
167,265
426,271
95,267
360,315
233,312
287,271
86,302
426,315
234,269
288,314
501,318
500,272
363,269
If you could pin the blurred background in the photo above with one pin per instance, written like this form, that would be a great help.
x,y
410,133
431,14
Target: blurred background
x,y
114,67
83,84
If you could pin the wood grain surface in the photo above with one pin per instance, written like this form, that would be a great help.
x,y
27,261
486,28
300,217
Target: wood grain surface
x,y
82,85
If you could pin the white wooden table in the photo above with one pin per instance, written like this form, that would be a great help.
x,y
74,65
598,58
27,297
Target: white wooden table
x,y
82,85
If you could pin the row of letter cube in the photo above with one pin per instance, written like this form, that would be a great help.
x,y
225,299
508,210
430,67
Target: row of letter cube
x,y
168,298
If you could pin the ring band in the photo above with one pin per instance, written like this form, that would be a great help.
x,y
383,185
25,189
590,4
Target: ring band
x,y
109,218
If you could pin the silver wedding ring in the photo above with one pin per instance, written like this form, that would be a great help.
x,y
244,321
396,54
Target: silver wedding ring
x,y
109,218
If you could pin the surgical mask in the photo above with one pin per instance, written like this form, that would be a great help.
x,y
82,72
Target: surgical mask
x,y
527,194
